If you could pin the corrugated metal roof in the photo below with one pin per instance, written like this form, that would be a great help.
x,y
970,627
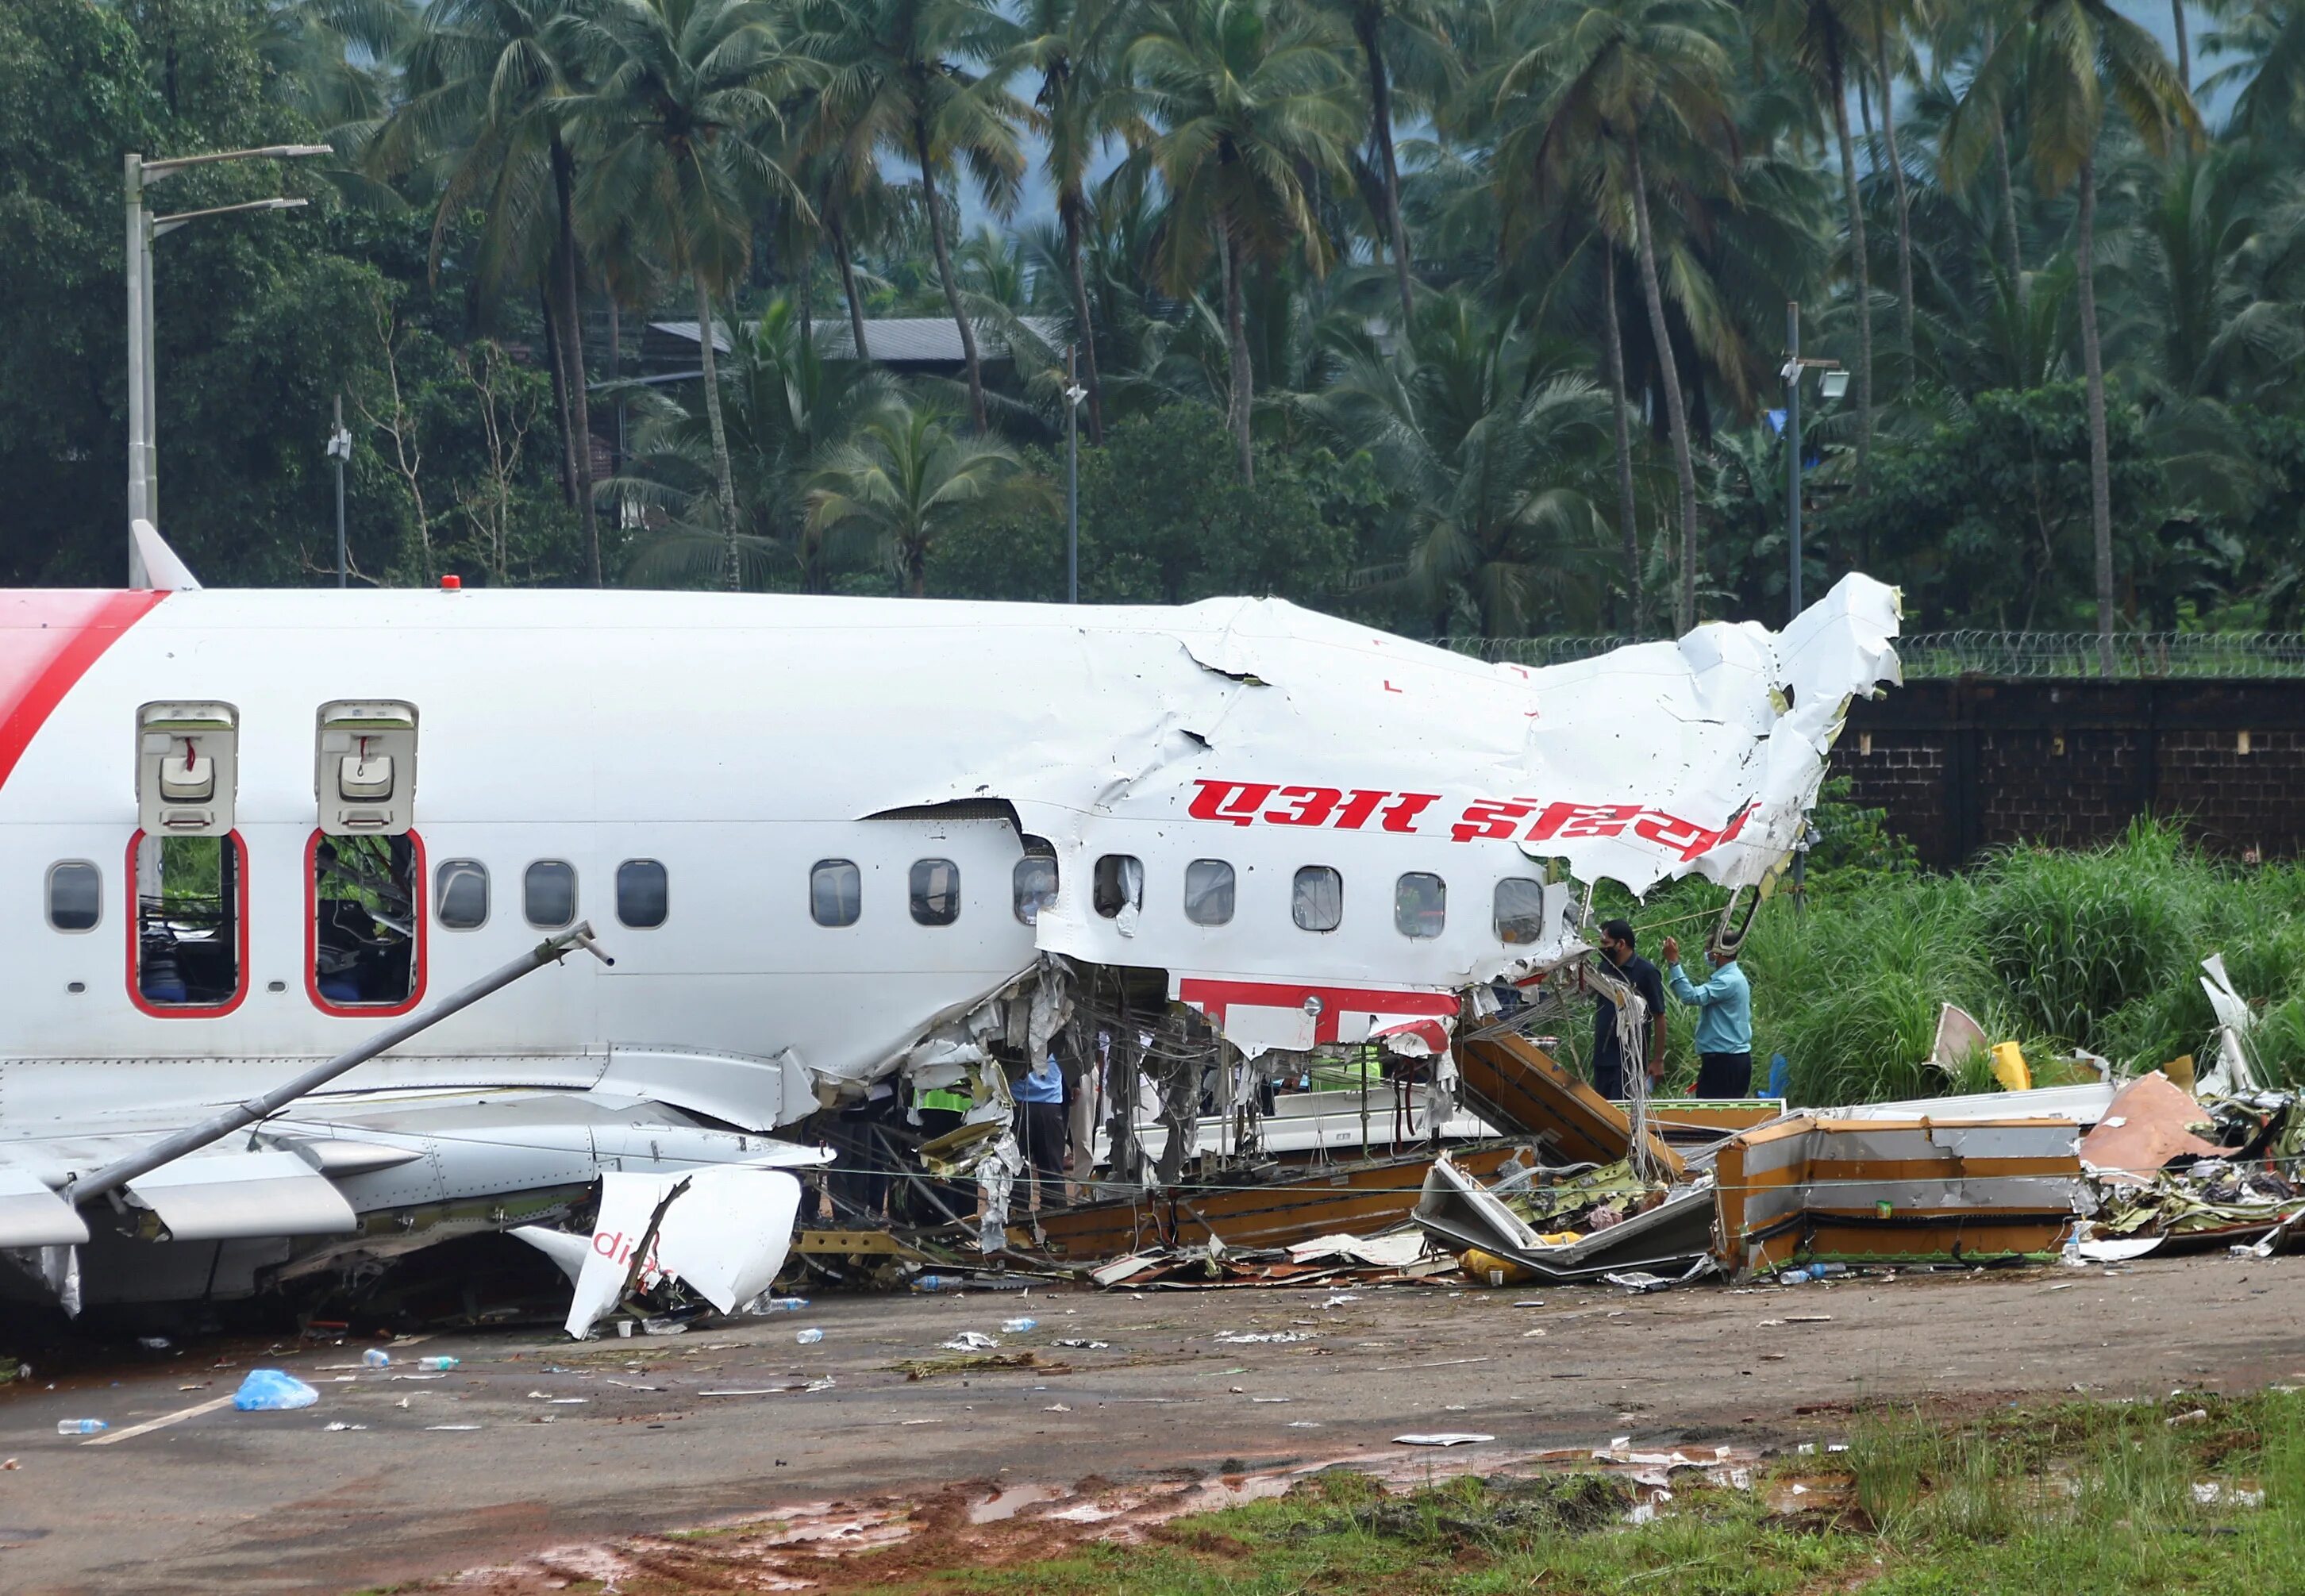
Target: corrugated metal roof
x,y
895,340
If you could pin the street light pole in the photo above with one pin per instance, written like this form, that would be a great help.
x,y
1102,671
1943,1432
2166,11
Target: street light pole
x,y
1074,394
1793,455
143,433
340,450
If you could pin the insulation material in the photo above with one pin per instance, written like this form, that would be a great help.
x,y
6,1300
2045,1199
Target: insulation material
x,y
1921,1190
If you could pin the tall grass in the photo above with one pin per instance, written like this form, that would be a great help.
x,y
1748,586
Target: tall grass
x,y
2053,948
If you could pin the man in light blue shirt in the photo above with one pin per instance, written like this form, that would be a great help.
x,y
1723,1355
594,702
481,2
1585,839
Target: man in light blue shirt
x,y
1041,1128
1724,1022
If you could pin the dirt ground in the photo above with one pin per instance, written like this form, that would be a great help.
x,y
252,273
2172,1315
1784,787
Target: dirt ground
x,y
575,1449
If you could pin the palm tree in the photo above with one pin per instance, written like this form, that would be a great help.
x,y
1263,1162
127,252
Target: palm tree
x,y
682,85
1075,46
1884,66
1820,37
315,51
2069,56
787,411
924,80
488,83
1480,441
907,477
1252,111
1606,79
1381,29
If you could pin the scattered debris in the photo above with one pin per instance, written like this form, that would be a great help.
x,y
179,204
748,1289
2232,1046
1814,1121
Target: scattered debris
x,y
1446,1438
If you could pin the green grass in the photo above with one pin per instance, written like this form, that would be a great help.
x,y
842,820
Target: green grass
x,y
2053,948
2079,1498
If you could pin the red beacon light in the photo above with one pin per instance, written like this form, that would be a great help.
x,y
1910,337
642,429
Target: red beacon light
x,y
452,584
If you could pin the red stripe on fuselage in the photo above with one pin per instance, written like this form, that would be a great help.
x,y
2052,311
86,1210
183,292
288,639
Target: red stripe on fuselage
x,y
49,639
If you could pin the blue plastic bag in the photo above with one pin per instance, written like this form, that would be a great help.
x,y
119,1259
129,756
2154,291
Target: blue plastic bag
x,y
268,1390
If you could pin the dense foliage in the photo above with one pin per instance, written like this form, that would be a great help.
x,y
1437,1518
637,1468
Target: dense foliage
x,y
1463,316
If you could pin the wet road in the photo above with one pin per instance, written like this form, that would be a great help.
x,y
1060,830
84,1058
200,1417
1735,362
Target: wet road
x,y
534,1442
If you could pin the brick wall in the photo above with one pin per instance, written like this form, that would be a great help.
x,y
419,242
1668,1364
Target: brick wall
x,y
1965,764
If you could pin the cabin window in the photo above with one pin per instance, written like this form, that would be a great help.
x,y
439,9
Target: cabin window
x,y
1520,911
644,894
935,891
366,910
1317,901
548,894
191,904
75,895
1208,892
1420,904
836,892
460,888
1119,884
1034,884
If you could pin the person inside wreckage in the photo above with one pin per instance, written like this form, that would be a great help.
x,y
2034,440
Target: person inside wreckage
x,y
1040,1093
1609,1077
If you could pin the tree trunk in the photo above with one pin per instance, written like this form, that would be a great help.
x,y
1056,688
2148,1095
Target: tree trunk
x,y
1366,20
2184,46
848,282
1628,512
1904,202
722,470
1236,354
616,371
945,277
1069,209
2093,365
1864,374
916,568
572,321
549,303
1676,413
2008,192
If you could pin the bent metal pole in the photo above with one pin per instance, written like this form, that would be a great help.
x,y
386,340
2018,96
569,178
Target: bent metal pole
x,y
112,1176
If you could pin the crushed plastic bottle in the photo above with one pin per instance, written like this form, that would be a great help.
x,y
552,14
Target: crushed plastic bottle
x,y
1018,1326
436,1365
81,1427
938,1283
376,1357
763,1306
810,1336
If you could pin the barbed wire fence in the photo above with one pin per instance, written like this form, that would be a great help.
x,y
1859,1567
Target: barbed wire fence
x,y
2203,655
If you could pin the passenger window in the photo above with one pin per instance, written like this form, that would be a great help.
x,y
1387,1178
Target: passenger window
x,y
936,891
1119,884
365,915
548,894
1318,899
1035,886
460,888
75,895
1420,904
836,892
643,893
1208,892
188,921
1520,911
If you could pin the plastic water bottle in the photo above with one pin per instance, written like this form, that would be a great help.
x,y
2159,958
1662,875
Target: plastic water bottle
x,y
938,1283
782,1305
1018,1326
436,1365
376,1357
81,1427
810,1336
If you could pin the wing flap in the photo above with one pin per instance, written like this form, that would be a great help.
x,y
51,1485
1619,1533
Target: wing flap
x,y
217,1196
32,1215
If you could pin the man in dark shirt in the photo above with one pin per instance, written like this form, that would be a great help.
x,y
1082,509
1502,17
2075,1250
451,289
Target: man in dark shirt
x,y
1608,1057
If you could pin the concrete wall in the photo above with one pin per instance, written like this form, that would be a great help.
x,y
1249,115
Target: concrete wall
x,y
1964,764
